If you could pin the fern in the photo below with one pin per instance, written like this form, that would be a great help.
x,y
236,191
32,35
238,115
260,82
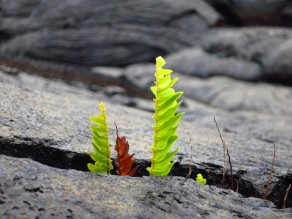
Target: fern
x,y
124,159
166,120
100,143
200,179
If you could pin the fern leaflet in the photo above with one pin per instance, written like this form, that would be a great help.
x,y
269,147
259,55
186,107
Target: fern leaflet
x,y
166,120
124,159
100,143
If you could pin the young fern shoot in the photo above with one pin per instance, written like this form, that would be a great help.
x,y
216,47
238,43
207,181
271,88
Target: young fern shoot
x,y
124,159
165,119
200,179
100,143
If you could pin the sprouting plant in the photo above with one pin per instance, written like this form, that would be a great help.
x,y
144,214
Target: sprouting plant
x,y
100,143
124,159
200,179
166,120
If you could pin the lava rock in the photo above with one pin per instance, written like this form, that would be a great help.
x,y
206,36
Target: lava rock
x,y
141,75
196,62
278,63
29,190
51,128
220,92
254,12
111,33
257,45
233,95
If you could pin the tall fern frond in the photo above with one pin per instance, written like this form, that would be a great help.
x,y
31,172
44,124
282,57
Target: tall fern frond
x,y
165,119
100,143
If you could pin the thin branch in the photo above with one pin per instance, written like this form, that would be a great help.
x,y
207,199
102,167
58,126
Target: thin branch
x,y
270,175
226,151
286,195
213,178
117,130
190,164
231,174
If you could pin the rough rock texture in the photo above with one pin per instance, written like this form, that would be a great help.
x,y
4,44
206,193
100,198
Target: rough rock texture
x,y
29,189
51,127
44,135
278,64
220,92
101,33
268,47
249,54
255,12
74,35
197,62
233,95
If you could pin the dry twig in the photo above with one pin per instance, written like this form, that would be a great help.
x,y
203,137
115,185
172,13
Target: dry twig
x,y
286,195
226,151
213,178
270,175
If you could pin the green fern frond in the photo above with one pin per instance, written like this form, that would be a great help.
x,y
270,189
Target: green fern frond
x,y
166,120
200,179
100,143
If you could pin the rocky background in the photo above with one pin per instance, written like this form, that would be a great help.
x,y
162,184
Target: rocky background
x,y
59,59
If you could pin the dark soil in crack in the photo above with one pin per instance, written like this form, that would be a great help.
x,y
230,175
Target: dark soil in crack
x,y
62,159
47,155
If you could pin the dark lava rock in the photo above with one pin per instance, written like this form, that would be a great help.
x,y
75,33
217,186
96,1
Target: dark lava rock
x,y
219,92
101,32
196,62
278,65
51,128
233,95
142,75
268,47
29,190
254,12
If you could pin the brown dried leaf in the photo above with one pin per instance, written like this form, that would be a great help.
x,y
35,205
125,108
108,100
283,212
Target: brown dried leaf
x,y
124,159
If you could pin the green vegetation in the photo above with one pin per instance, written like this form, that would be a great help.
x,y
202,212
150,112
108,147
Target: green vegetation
x,y
165,119
100,143
200,179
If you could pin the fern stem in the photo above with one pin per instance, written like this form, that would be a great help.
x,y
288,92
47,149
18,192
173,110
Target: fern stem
x,y
155,124
165,120
108,149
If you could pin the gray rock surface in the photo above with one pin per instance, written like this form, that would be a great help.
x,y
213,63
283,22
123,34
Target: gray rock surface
x,y
257,45
221,92
233,95
89,35
44,135
255,12
101,33
278,63
196,62
51,128
29,190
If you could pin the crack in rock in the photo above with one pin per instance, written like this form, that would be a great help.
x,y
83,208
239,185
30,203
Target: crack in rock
x,y
42,153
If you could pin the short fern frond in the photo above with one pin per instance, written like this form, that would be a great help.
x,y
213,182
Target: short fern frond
x,y
166,120
200,179
100,143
